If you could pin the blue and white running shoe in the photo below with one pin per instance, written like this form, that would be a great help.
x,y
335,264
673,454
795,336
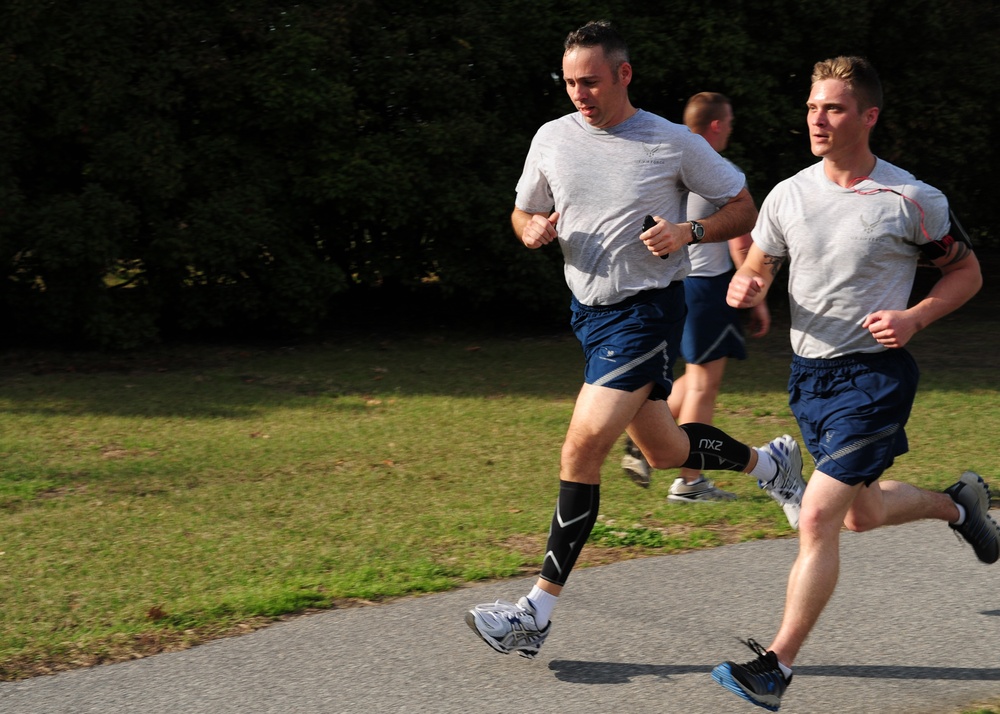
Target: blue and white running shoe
x,y
787,486
759,681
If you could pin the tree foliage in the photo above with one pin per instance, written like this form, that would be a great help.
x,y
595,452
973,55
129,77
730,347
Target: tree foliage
x,y
172,167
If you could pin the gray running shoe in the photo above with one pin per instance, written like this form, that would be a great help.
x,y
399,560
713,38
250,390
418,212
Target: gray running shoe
x,y
978,529
788,485
698,492
635,465
507,627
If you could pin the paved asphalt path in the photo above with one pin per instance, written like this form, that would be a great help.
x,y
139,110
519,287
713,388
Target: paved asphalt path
x,y
914,627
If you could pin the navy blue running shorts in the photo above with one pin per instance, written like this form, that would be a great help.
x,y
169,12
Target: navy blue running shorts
x,y
633,342
712,329
852,411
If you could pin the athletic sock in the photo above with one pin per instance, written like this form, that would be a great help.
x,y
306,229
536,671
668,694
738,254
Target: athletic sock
x,y
961,515
786,671
545,603
766,469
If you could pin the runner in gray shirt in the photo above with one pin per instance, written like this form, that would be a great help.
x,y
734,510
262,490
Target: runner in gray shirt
x,y
589,181
853,228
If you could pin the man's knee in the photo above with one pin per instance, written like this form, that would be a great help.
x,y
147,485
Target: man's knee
x,y
663,453
821,521
703,392
666,460
862,521
584,454
867,511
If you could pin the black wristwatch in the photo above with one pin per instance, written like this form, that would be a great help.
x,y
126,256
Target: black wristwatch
x,y
697,232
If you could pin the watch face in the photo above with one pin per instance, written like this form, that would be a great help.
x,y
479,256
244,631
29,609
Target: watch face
x,y
697,230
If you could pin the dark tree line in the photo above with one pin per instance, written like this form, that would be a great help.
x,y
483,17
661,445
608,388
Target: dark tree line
x,y
171,168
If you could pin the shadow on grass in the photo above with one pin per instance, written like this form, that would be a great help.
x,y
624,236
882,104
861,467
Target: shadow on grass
x,y
346,371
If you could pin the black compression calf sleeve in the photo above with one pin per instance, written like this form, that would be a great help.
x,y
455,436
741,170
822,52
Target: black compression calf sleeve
x,y
576,513
714,450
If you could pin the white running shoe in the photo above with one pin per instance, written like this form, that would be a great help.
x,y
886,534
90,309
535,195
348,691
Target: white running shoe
x,y
507,627
788,485
635,465
698,491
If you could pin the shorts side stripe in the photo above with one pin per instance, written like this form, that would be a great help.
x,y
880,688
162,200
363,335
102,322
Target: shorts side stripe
x,y
730,329
858,445
614,374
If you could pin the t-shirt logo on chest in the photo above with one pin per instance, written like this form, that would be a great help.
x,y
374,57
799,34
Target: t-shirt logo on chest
x,y
871,232
870,226
651,151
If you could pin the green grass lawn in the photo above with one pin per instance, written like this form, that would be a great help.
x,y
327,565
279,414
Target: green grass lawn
x,y
156,500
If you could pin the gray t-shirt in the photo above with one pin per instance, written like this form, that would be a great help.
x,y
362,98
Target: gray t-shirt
x,y
707,259
852,251
603,182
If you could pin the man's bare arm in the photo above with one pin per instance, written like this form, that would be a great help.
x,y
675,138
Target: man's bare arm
x,y
751,282
960,279
739,247
733,219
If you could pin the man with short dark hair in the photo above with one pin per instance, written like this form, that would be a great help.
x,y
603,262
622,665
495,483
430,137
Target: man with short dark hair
x,y
588,181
